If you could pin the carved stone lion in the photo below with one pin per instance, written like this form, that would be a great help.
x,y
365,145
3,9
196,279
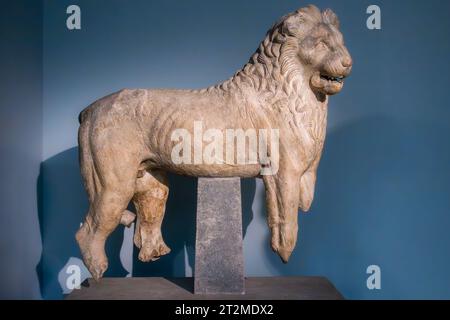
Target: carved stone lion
x,y
125,138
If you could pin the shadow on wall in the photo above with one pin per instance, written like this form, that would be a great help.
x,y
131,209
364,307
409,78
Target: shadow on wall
x,y
62,203
381,199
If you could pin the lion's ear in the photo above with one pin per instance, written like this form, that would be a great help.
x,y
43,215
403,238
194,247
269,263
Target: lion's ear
x,y
311,11
330,17
290,25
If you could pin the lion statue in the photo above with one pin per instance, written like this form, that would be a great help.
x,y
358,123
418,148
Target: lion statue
x,y
125,144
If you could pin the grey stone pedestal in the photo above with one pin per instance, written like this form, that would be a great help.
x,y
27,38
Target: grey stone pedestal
x,y
219,262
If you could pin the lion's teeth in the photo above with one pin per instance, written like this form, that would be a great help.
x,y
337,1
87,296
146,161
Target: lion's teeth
x,y
330,78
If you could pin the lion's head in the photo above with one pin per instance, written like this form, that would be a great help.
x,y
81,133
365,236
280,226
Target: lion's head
x,y
304,48
320,47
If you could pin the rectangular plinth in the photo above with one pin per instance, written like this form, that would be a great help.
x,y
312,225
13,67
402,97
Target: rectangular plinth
x,y
264,288
219,262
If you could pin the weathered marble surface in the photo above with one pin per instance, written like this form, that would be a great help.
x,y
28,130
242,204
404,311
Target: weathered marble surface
x,y
125,138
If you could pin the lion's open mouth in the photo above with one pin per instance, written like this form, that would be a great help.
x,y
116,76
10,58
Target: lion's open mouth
x,y
327,83
331,78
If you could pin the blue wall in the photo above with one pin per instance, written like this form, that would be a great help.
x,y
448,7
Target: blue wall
x,y
384,181
20,146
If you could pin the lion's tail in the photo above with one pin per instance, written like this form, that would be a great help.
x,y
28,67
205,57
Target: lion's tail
x,y
82,115
86,160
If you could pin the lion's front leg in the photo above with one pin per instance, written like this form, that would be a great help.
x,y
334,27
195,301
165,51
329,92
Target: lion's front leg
x,y
282,211
307,185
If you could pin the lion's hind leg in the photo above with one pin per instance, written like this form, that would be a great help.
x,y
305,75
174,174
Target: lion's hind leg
x,y
103,217
150,202
110,177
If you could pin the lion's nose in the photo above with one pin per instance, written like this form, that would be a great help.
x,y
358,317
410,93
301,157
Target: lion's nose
x,y
347,62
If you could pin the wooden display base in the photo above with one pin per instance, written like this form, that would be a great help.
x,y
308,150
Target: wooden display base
x,y
265,288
